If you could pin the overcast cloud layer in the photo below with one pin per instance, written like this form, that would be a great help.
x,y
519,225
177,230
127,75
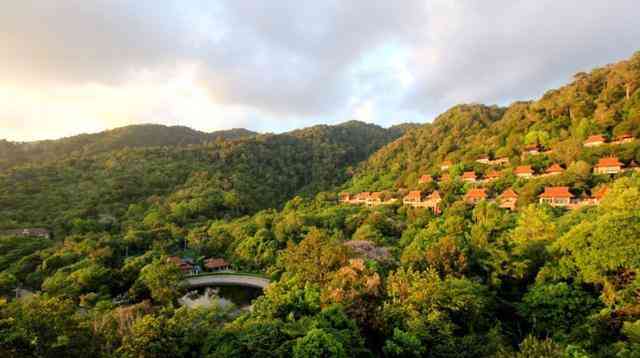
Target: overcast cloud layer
x,y
73,66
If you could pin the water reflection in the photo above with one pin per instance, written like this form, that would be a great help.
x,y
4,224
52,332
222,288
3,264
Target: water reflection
x,y
223,296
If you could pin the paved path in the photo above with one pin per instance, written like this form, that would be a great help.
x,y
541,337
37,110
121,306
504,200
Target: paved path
x,y
222,280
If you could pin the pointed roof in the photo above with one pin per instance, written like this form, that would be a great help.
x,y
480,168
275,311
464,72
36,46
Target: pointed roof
x,y
624,136
478,193
555,168
493,174
600,193
556,192
523,169
435,196
595,139
414,195
608,162
469,175
509,194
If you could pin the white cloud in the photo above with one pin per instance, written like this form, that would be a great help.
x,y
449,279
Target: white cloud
x,y
85,65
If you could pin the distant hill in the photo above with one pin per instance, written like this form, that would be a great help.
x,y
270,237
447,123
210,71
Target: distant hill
x,y
605,101
99,175
134,136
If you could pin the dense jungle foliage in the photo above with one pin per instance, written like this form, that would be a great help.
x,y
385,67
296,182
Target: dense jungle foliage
x,y
347,281
92,187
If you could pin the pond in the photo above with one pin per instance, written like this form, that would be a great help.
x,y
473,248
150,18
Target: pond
x,y
240,296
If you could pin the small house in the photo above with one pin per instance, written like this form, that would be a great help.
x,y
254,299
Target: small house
x,y
595,141
624,138
524,171
375,199
557,196
32,232
483,160
469,177
433,202
508,199
425,179
184,265
554,169
598,195
446,165
476,195
608,165
492,175
532,149
345,197
413,198
363,197
500,161
216,264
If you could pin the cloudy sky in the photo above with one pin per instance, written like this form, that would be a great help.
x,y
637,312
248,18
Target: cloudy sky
x,y
74,66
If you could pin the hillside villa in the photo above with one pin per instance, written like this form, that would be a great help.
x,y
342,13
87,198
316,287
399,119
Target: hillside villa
x,y
554,169
375,199
483,160
492,175
532,149
623,139
499,161
476,195
425,179
216,264
524,171
31,232
469,177
413,198
508,199
595,141
608,165
557,196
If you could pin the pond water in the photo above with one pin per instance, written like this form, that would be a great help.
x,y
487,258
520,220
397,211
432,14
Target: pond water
x,y
240,296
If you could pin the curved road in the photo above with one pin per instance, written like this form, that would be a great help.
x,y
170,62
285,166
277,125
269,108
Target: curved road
x,y
222,280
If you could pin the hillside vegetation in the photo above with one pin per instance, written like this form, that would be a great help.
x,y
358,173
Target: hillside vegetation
x,y
546,279
93,179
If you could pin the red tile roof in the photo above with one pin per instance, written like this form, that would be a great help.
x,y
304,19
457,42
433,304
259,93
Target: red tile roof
x,y
426,179
524,169
469,175
493,174
479,193
414,195
364,195
555,168
608,162
595,139
509,194
600,193
215,263
376,195
624,136
556,192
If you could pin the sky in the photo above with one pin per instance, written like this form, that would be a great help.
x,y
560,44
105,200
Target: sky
x,y
78,66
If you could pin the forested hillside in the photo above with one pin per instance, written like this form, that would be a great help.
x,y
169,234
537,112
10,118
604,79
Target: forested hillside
x,y
92,180
135,136
378,276
605,101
